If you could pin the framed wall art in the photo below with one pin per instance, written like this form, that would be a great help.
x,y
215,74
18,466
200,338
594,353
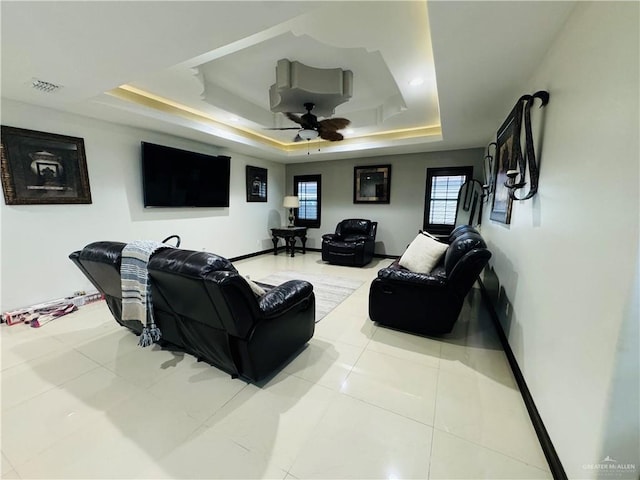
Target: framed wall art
x,y
372,184
506,143
43,168
256,184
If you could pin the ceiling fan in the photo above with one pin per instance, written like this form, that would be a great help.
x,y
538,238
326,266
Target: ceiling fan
x,y
311,128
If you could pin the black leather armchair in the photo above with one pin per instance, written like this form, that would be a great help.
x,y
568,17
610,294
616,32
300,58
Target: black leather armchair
x,y
203,306
352,244
429,303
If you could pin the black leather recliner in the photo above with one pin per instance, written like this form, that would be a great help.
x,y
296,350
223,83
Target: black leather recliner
x,y
352,244
429,303
205,307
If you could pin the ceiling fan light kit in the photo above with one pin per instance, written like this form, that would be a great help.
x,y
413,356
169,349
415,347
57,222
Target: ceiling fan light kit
x,y
307,134
310,128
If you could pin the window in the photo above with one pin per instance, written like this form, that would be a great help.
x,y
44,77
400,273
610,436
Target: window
x,y
308,190
441,198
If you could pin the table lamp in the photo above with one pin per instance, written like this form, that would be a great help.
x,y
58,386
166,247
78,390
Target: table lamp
x,y
291,202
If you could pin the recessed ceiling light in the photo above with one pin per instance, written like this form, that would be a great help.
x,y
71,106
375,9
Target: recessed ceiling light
x,y
416,81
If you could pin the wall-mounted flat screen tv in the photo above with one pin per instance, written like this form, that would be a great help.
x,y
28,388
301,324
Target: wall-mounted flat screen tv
x,y
178,178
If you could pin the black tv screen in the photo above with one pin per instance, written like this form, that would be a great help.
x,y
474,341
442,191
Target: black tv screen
x,y
178,178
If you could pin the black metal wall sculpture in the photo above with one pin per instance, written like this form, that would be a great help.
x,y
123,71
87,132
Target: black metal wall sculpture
x,y
511,164
529,158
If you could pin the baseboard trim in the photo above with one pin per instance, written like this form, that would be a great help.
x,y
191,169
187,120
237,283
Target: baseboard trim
x,y
383,255
251,255
375,255
309,249
557,470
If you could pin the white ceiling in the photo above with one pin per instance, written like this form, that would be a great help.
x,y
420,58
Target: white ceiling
x,y
142,64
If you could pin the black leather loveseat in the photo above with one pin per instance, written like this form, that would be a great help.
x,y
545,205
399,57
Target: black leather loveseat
x,y
205,307
429,303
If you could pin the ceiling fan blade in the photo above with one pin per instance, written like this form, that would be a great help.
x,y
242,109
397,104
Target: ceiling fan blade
x,y
283,128
334,123
330,135
294,118
326,128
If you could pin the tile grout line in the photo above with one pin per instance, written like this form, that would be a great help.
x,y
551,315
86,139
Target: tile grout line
x,y
435,408
223,405
504,454
354,364
387,410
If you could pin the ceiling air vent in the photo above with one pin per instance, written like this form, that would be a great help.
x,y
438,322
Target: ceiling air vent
x,y
43,86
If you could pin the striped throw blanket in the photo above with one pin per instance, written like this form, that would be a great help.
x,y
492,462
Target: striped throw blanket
x,y
136,294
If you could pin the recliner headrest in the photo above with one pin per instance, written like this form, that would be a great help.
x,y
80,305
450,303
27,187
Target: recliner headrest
x,y
354,226
460,246
461,230
189,262
103,252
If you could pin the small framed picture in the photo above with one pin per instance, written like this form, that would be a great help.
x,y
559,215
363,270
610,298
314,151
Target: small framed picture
x,y
372,184
256,184
43,168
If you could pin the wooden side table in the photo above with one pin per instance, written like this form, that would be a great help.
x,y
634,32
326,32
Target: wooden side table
x,y
289,234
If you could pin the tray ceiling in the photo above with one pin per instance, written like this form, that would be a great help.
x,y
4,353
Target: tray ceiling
x,y
424,76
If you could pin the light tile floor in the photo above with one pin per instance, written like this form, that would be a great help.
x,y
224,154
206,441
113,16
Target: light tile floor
x,y
81,400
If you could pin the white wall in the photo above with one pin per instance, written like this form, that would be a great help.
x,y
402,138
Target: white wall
x,y
37,239
568,262
398,221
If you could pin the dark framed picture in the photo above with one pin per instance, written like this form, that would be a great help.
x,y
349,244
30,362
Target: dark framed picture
x,y
43,168
507,141
256,184
372,184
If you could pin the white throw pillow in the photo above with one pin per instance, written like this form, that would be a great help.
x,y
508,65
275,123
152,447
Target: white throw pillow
x,y
429,235
257,290
422,254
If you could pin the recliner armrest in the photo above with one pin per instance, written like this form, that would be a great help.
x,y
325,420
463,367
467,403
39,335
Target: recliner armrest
x,y
329,237
407,276
285,296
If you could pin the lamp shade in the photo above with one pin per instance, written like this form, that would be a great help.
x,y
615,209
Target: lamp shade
x,y
291,202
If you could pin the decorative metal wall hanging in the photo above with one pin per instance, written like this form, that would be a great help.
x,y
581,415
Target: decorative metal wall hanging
x,y
489,173
510,163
